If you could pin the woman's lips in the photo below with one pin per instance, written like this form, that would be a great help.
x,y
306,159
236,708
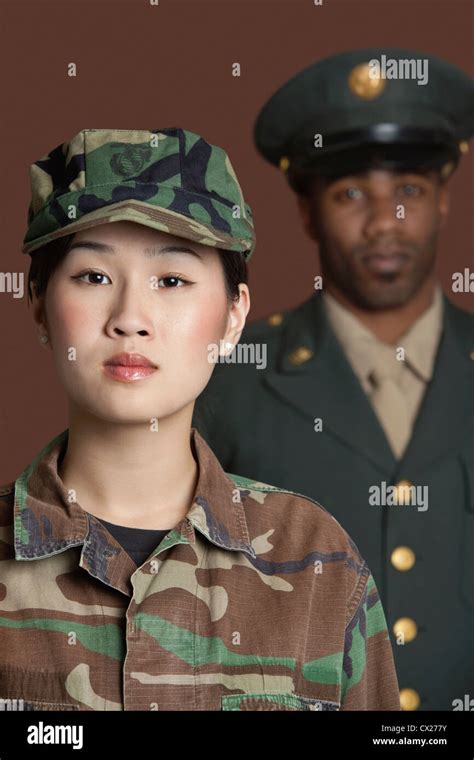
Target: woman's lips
x,y
127,374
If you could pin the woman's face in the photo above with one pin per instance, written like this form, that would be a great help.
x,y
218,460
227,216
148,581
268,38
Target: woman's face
x,y
123,287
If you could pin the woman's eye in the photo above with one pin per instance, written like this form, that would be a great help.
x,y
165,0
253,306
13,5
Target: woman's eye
x,y
88,274
174,281
171,281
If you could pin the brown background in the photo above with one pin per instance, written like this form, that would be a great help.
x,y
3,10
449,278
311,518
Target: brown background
x,y
147,67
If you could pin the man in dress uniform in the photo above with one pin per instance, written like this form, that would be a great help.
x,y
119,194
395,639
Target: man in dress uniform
x,y
366,402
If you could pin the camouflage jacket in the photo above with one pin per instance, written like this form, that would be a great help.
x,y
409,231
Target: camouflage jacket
x,y
256,600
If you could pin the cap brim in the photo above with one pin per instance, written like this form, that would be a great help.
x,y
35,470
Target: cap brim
x,y
362,158
164,220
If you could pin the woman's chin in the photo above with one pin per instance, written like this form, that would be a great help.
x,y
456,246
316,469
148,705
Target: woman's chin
x,y
109,413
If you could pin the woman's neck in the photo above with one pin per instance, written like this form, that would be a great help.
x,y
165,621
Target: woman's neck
x,y
131,474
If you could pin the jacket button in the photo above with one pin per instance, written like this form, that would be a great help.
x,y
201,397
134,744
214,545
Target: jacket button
x,y
405,627
409,699
403,558
403,493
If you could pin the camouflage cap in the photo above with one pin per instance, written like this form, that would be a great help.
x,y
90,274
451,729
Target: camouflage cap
x,y
168,179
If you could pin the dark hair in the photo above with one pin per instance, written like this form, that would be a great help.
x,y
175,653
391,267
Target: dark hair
x,y
45,261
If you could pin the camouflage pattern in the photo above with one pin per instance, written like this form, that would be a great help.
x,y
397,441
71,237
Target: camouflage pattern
x,y
256,600
168,179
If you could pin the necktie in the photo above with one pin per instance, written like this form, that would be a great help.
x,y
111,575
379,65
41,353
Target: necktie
x,y
389,403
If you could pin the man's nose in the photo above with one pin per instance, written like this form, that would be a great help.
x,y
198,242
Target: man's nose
x,y
381,217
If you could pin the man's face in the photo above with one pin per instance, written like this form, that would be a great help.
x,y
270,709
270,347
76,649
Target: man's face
x,y
377,233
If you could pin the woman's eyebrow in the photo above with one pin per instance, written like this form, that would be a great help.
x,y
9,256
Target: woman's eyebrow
x,y
92,245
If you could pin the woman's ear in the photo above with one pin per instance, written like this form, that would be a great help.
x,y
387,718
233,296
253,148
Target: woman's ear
x,y
236,320
39,314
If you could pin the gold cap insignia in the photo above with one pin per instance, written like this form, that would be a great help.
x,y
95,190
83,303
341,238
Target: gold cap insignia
x,y
364,84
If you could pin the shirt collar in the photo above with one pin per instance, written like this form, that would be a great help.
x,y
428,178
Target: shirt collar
x,y
421,340
47,521
361,346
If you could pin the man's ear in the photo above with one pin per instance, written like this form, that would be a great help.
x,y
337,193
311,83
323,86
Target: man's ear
x,y
443,203
236,319
304,208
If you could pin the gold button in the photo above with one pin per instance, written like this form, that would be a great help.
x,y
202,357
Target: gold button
x,y
284,163
471,356
464,146
403,558
300,355
403,493
406,627
275,319
409,699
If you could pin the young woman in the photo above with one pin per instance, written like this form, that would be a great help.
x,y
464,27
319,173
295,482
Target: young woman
x,y
135,573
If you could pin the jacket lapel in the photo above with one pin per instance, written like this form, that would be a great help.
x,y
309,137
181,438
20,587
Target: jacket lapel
x,y
447,410
313,375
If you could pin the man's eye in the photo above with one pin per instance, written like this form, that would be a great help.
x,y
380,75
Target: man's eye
x,y
412,190
89,273
173,281
350,193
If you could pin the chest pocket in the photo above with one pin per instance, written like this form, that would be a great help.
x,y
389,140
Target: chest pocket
x,y
275,702
22,689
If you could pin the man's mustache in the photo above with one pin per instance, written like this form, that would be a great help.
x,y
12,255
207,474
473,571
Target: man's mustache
x,y
387,248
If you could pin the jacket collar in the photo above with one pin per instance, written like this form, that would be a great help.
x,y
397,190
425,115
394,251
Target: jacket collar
x,y
47,522
312,373
364,349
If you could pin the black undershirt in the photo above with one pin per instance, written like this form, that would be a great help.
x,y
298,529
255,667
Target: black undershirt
x,y
137,542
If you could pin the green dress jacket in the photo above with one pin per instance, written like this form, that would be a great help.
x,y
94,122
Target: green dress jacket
x,y
261,422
